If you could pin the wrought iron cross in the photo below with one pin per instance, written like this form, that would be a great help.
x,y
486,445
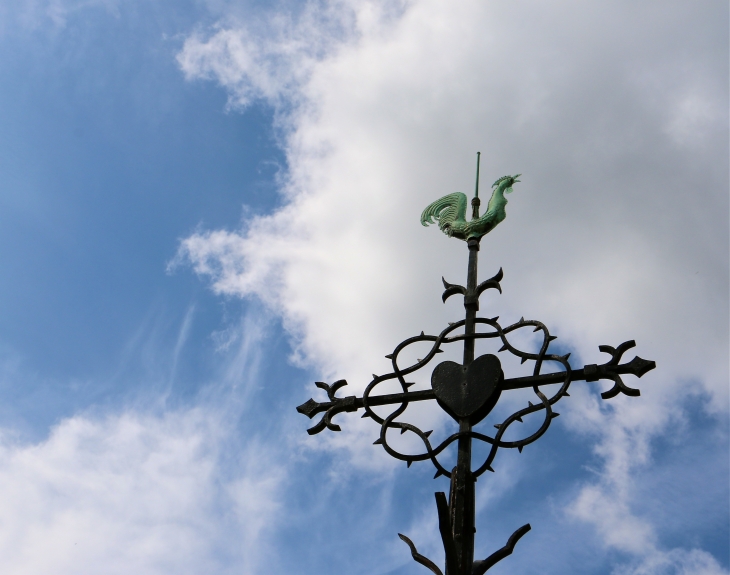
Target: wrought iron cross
x,y
469,391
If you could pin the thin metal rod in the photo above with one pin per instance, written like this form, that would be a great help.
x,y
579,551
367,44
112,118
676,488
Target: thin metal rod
x,y
475,201
476,189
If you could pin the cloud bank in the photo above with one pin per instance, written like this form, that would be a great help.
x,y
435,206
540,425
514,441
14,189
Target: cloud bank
x,y
616,116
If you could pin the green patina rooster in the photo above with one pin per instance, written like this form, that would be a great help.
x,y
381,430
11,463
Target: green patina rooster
x,y
450,212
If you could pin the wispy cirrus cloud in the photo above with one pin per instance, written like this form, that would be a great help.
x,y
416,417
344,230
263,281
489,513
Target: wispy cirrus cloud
x,y
35,14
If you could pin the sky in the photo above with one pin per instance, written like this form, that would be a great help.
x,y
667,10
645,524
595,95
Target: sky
x,y
208,205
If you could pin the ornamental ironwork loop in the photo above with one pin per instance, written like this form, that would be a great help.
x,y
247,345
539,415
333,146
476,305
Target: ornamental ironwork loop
x,y
611,370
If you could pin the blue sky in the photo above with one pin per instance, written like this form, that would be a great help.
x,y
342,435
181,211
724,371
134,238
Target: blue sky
x,y
110,158
208,206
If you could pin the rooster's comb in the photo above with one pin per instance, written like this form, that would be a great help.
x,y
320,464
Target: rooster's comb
x,y
500,180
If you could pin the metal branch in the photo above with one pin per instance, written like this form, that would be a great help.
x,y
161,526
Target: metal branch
x,y
492,282
451,289
481,567
425,561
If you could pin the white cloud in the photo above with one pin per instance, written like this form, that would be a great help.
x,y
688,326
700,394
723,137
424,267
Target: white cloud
x,y
623,445
675,562
618,231
387,122
155,487
623,442
274,57
134,494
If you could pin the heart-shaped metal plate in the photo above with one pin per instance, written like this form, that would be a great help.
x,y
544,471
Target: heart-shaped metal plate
x,y
468,391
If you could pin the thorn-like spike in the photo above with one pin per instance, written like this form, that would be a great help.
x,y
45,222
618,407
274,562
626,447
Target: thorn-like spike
x,y
531,404
519,448
523,360
410,383
364,415
422,333
389,356
403,430
498,425
378,442
408,463
566,356
452,322
375,376
522,319
489,468
552,337
428,433
419,360
495,318
438,473
537,328
503,348
566,394
518,418
553,414
439,351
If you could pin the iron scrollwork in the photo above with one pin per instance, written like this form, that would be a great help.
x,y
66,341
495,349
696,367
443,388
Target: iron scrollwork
x,y
611,370
468,391
565,375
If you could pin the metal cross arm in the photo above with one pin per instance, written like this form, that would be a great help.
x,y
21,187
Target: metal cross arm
x,y
610,370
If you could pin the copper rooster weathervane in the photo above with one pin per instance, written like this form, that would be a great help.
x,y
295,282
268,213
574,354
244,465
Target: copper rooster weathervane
x,y
469,391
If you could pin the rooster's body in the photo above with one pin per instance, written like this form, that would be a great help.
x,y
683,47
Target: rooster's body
x,y
450,212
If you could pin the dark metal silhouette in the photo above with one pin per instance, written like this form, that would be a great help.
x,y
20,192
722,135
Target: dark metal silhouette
x,y
468,392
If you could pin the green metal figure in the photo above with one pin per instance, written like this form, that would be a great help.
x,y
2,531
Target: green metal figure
x,y
450,211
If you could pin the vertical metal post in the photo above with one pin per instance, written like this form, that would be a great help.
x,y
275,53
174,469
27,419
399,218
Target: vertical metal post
x,y
461,497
